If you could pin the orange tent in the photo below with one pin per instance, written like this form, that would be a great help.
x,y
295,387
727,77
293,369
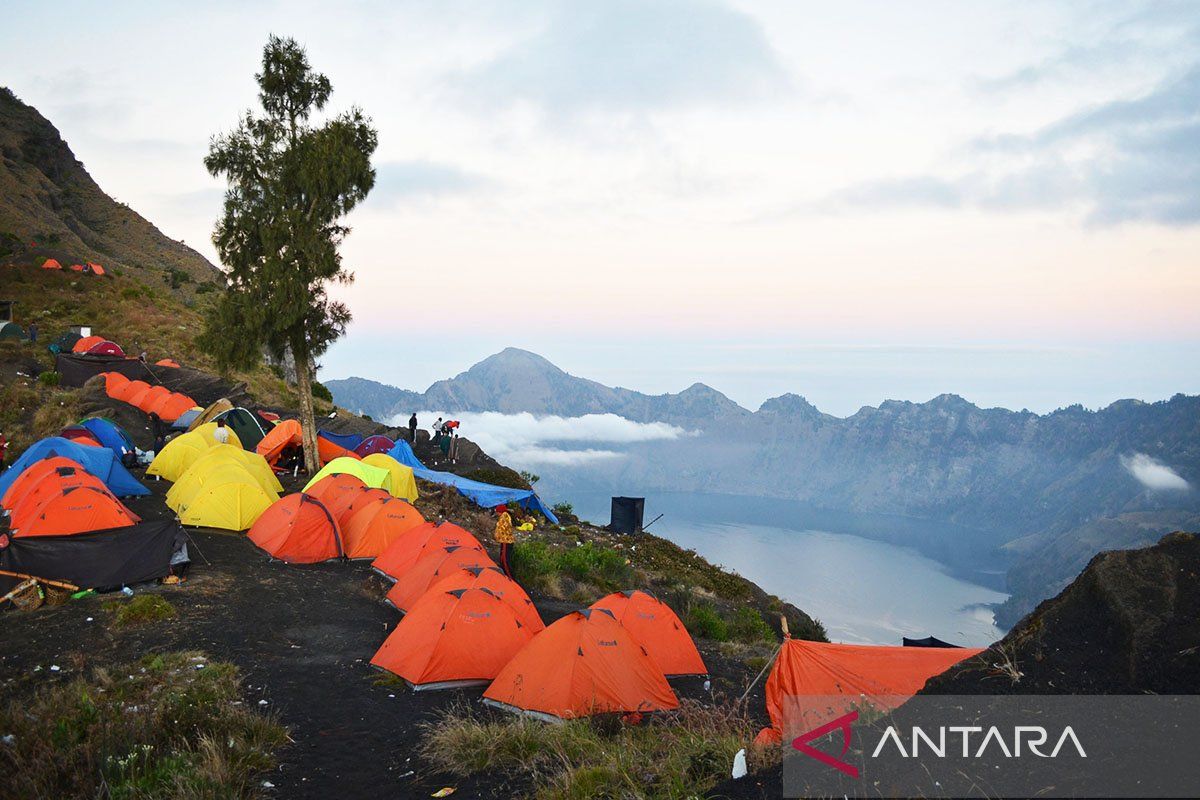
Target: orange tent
x,y
50,484
406,551
433,566
34,474
298,529
585,663
456,638
495,581
80,435
51,263
285,434
150,400
126,392
96,268
843,675
328,451
112,381
361,500
654,624
166,362
87,342
77,267
337,492
371,528
173,406
74,510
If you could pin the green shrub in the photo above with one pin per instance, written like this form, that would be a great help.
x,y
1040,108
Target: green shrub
x,y
748,626
596,564
563,509
529,477
142,608
532,560
321,393
704,621
499,476
49,378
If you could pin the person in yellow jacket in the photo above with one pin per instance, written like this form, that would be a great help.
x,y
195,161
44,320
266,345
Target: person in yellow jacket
x,y
505,538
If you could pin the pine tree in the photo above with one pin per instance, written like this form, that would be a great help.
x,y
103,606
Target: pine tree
x,y
290,183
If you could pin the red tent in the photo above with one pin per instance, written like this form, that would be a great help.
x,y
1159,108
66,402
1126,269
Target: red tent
x,y
106,348
585,663
87,342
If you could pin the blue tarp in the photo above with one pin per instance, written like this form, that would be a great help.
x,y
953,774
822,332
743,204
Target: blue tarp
x,y
110,434
348,441
100,461
482,494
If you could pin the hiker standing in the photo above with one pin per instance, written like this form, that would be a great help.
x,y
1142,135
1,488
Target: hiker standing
x,y
505,538
437,430
412,428
33,333
221,434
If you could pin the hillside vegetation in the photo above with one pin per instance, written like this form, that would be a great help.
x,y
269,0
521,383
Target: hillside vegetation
x,y
51,207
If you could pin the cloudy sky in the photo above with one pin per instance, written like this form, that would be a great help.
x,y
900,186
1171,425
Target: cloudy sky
x,y
853,201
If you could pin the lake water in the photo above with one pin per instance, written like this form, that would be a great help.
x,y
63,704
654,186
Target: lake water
x,y
863,591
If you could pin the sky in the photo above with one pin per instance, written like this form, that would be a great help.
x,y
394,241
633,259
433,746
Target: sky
x,y
854,201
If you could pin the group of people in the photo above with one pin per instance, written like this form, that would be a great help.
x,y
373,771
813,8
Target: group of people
x,y
445,436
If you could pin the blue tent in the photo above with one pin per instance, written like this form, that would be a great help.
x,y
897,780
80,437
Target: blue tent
x,y
482,494
110,434
186,419
100,461
348,441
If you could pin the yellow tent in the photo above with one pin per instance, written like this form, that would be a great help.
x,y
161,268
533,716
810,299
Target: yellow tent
x,y
182,451
234,505
403,483
371,476
217,463
206,416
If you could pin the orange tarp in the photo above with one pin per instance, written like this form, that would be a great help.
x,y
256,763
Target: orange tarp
x,y
166,362
285,434
337,492
298,529
453,639
844,675
495,581
328,451
404,553
585,663
87,343
655,625
34,474
150,400
75,510
376,525
433,566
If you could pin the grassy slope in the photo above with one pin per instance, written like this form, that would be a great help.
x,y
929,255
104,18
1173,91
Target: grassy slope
x,y
51,207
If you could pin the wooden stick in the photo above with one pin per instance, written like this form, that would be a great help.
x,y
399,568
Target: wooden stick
x,y
20,587
47,581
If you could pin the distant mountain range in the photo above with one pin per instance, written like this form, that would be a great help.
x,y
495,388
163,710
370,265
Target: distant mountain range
x,y
1040,494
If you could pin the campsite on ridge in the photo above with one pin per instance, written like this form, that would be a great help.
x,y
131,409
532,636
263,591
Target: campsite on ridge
x,y
274,525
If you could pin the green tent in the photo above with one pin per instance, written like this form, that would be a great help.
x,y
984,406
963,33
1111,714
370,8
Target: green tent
x,y
245,425
11,330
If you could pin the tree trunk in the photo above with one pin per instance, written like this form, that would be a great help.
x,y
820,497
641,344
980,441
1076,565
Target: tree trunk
x,y
308,422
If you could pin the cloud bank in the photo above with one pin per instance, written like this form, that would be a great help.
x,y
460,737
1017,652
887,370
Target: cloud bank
x,y
524,440
1153,474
